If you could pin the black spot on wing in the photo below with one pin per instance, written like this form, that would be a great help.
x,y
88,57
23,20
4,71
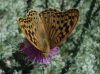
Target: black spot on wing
x,y
73,17
71,23
69,17
30,34
66,14
62,21
35,41
26,32
66,29
53,27
53,20
66,19
62,16
61,36
65,24
58,16
58,22
60,28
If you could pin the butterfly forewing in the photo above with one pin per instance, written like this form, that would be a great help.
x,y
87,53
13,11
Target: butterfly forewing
x,y
30,30
34,14
62,25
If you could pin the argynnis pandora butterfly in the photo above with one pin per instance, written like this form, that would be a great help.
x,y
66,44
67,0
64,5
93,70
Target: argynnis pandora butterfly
x,y
49,28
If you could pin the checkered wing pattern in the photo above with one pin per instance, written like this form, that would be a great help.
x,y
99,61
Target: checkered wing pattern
x,y
62,24
45,16
34,14
29,26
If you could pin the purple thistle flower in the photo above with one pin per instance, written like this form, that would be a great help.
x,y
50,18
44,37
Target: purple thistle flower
x,y
36,55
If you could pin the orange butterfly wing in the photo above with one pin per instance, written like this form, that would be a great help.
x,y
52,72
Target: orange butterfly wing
x,y
59,25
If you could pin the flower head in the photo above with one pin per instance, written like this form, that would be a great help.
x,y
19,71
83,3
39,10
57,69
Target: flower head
x,y
36,55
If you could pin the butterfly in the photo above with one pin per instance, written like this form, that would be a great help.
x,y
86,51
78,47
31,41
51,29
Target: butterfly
x,y
49,28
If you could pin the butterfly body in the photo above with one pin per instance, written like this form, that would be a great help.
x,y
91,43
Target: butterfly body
x,y
47,29
44,39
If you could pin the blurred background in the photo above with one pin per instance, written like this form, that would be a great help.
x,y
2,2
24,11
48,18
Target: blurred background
x,y
78,54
